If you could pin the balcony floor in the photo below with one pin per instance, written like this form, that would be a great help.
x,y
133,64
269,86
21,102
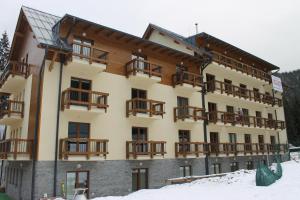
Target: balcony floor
x,y
142,79
11,120
187,88
83,66
13,84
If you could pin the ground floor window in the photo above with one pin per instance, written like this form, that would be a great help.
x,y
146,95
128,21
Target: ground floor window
x,y
217,168
185,171
76,179
139,179
249,165
234,166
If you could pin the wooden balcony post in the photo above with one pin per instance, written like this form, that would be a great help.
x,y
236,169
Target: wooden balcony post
x,y
176,149
151,148
196,149
151,108
15,141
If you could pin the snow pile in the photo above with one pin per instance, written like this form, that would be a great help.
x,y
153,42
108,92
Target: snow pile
x,y
234,186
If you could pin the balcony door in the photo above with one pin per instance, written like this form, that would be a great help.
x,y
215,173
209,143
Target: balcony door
x,y
82,48
246,119
139,64
210,79
273,142
270,120
139,179
248,146
212,112
80,90
182,104
184,137
79,132
243,90
261,142
258,118
140,104
76,179
228,86
232,142
256,94
229,114
140,136
214,141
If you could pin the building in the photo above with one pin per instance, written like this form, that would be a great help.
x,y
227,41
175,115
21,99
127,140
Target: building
x,y
88,106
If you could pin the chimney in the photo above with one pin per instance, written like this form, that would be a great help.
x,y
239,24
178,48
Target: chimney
x,y
196,24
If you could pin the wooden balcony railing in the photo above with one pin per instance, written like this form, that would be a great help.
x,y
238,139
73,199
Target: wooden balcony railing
x,y
145,148
14,68
144,106
200,148
90,53
143,66
82,147
80,97
189,112
11,107
244,120
15,147
236,91
240,66
179,78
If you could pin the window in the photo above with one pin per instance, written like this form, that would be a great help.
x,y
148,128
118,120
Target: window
x,y
230,114
185,171
256,94
272,139
246,116
210,79
139,64
184,138
214,142
78,130
140,104
76,179
258,118
234,166
139,179
232,142
261,142
82,48
243,90
249,165
217,168
212,112
248,146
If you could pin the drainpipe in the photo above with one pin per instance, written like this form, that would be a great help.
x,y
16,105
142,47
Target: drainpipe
x,y
62,60
2,161
36,126
203,92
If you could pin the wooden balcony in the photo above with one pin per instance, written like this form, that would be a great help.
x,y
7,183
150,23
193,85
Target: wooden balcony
x,y
11,112
82,149
79,100
88,59
189,114
14,76
241,93
142,72
145,108
241,67
186,149
145,149
17,149
233,119
196,149
187,81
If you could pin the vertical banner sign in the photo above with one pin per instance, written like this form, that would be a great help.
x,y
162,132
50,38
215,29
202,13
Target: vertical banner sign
x,y
276,82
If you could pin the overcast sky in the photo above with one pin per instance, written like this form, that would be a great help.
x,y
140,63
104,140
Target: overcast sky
x,y
270,29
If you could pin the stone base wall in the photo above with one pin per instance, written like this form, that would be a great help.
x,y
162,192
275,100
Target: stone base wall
x,y
110,177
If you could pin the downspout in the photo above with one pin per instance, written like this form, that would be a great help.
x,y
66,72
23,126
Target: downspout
x,y
36,126
62,60
2,161
203,92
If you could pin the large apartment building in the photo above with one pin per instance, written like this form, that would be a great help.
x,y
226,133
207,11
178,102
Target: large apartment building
x,y
89,106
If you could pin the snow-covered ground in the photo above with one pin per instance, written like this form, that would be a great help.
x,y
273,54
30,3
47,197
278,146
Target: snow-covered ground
x,y
234,186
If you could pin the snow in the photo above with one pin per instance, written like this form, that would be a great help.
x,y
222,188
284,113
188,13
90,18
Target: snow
x,y
233,186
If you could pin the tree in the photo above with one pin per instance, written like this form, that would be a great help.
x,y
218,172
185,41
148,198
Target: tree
x,y
4,50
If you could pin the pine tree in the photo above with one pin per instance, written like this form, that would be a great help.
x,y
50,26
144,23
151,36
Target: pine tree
x,y
4,50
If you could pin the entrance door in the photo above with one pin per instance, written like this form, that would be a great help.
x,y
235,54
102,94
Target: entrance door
x,y
182,104
210,79
140,136
139,179
261,142
141,104
78,131
81,90
214,140
212,112
248,146
77,179
184,138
